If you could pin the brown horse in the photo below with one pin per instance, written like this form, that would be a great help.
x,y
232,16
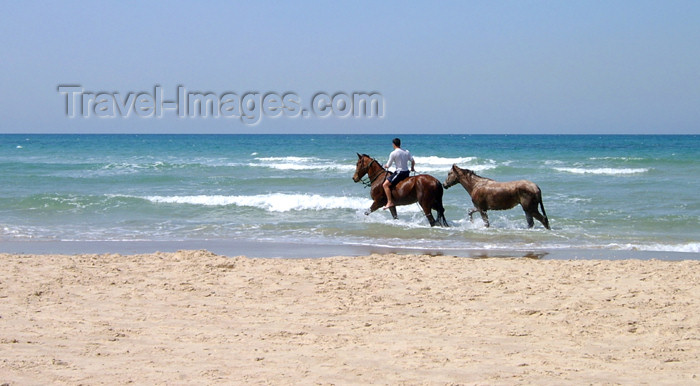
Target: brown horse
x,y
424,189
489,194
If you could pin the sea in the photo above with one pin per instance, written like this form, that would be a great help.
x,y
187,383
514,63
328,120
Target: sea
x,y
288,196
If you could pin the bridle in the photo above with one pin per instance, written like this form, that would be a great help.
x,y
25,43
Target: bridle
x,y
371,179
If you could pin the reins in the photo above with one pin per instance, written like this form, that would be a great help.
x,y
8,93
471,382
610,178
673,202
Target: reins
x,y
371,180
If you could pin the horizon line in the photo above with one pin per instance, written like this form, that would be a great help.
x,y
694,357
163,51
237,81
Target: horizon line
x,y
360,134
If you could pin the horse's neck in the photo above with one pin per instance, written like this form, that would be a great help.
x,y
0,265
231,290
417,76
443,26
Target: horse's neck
x,y
375,171
469,181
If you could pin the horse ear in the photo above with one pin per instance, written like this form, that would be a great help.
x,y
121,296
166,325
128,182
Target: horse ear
x,y
359,156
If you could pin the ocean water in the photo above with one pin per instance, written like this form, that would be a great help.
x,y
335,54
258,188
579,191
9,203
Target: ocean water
x,y
600,192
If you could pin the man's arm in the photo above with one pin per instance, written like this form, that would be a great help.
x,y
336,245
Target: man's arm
x,y
390,161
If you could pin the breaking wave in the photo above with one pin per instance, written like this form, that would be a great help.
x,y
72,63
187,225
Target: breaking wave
x,y
274,202
603,171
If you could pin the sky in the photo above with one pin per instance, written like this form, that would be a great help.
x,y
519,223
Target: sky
x,y
462,67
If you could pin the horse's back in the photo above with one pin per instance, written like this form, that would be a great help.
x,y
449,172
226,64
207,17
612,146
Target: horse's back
x,y
528,189
426,182
529,185
415,187
497,195
512,187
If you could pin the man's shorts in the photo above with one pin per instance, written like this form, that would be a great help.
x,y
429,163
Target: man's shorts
x,y
395,178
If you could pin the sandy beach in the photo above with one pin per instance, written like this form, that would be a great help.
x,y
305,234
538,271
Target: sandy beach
x,y
193,317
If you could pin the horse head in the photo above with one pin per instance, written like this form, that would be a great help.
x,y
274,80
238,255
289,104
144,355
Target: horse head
x,y
452,177
362,167
459,175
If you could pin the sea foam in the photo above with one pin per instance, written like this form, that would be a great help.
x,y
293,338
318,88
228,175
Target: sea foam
x,y
693,247
603,171
443,164
273,202
300,163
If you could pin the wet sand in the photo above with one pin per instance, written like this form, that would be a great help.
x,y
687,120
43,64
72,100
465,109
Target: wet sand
x,y
196,317
295,250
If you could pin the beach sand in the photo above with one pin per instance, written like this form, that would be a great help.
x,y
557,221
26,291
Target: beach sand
x,y
193,317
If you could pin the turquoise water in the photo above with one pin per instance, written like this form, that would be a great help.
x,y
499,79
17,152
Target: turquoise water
x,y
600,192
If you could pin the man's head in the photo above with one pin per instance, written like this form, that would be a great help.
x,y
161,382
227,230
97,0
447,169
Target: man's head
x,y
396,142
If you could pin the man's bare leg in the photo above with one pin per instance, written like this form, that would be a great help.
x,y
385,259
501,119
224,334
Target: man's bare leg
x,y
387,190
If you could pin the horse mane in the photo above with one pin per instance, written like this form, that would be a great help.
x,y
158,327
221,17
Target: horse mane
x,y
378,163
469,171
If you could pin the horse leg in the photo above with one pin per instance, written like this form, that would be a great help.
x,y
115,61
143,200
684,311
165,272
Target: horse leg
x,y
485,217
393,212
438,207
530,208
431,219
428,213
426,203
471,213
541,219
375,205
441,220
530,222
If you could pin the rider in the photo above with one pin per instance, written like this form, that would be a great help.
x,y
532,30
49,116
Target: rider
x,y
401,158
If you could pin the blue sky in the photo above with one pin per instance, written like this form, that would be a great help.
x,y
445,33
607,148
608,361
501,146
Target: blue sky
x,y
574,67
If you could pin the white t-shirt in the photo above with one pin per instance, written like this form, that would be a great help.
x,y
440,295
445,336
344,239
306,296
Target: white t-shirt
x,y
401,158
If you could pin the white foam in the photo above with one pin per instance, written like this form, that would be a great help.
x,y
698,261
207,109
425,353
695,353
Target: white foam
x,y
606,171
616,158
443,164
693,247
274,202
293,166
135,166
288,159
435,160
300,163
423,164
445,169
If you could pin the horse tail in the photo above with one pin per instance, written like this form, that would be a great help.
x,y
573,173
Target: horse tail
x,y
544,214
438,206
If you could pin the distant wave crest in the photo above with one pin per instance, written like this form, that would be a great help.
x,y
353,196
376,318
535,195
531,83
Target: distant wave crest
x,y
692,247
443,164
423,164
434,160
603,171
300,163
274,202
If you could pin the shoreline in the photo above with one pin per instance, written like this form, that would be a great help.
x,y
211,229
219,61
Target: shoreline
x,y
197,317
273,249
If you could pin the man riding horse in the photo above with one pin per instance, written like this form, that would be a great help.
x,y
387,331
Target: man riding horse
x,y
424,189
400,157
